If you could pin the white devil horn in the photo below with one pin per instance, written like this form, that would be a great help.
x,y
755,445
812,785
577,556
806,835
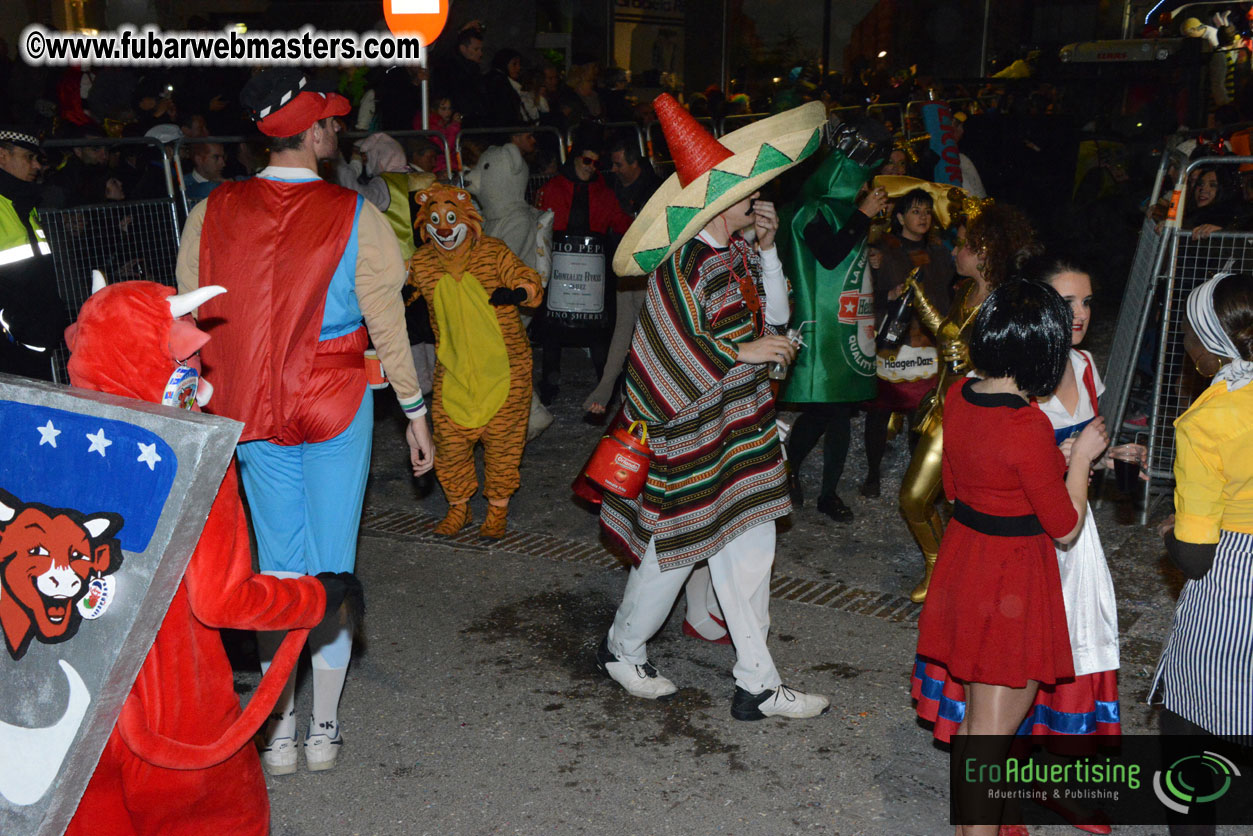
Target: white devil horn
x,y
97,526
184,303
6,513
98,282
204,391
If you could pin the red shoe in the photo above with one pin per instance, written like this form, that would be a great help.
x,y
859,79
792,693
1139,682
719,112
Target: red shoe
x,y
1090,822
689,630
1013,830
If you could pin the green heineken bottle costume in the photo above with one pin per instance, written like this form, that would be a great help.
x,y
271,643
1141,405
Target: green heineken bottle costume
x,y
823,249
837,364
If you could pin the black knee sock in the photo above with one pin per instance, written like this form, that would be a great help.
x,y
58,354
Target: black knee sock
x,y
835,447
804,436
876,435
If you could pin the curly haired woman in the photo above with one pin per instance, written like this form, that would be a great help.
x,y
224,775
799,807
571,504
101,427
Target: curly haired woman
x,y
989,247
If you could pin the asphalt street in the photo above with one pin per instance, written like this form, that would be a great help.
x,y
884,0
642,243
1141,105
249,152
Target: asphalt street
x,y
474,706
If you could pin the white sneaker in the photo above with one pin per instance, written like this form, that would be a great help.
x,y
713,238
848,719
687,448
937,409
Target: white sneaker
x,y
321,750
781,702
638,680
279,758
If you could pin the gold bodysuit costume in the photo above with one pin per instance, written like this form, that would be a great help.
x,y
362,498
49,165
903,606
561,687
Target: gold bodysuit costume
x,y
920,486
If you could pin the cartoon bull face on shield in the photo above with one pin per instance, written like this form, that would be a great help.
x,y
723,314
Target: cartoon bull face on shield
x,y
47,556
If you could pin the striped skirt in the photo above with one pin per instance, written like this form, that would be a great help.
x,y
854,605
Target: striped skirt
x,y
1085,705
1206,669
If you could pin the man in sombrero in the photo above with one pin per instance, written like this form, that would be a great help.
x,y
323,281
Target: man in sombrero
x,y
697,376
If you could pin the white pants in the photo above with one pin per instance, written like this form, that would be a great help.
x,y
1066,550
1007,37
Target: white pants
x,y
741,579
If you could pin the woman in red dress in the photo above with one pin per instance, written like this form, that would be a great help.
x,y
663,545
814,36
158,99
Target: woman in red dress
x,y
995,619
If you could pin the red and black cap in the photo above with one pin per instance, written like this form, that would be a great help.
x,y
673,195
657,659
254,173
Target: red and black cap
x,y
283,103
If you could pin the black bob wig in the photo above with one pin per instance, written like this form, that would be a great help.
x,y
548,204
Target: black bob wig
x,y
1023,331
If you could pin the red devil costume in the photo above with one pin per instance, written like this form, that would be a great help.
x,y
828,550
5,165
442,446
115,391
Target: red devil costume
x,y
179,761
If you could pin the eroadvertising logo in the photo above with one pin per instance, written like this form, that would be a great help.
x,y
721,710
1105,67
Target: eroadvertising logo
x,y
1126,779
1177,786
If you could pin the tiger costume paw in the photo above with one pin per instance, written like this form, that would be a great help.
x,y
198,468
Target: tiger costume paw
x,y
457,518
494,526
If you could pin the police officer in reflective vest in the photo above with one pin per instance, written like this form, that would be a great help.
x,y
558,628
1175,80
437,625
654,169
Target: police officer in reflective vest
x,y
32,316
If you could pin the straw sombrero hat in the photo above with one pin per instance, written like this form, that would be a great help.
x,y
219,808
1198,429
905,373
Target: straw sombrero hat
x,y
711,176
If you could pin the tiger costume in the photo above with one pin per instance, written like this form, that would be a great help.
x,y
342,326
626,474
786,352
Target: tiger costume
x,y
482,393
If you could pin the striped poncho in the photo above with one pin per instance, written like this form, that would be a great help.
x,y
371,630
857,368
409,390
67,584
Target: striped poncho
x,y
716,468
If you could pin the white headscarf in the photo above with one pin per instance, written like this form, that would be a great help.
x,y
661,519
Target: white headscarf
x,y
1238,373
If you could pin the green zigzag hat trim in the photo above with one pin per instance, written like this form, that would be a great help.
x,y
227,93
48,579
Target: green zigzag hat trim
x,y
811,146
649,259
720,182
677,219
769,158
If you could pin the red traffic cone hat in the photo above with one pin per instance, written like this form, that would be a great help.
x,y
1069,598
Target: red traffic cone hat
x,y
712,175
693,148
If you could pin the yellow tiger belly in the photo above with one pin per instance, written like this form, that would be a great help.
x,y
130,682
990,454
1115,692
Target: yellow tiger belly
x,y
471,350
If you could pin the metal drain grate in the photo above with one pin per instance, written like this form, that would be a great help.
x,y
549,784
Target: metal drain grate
x,y
417,525
845,598
835,596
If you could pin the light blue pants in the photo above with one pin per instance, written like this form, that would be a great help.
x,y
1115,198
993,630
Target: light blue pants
x,y
306,501
306,498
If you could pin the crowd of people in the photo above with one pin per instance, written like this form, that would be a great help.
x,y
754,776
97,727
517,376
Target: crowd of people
x,y
693,295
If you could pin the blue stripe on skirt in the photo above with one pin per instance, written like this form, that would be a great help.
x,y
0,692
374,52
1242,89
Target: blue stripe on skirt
x,y
1058,722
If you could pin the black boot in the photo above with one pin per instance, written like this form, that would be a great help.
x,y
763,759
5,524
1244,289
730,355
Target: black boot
x,y
796,491
834,508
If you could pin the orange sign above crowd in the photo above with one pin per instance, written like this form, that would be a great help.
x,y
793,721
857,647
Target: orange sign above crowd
x,y
423,19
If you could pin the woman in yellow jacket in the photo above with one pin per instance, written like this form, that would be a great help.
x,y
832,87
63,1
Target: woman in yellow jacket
x,y
1206,670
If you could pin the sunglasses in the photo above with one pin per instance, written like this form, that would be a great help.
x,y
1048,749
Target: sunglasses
x,y
589,161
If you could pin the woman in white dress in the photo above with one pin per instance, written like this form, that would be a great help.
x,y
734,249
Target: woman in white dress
x,y
1089,704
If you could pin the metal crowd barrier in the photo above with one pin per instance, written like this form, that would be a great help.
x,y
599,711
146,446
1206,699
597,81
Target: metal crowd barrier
x,y
125,239
874,111
1168,265
846,113
399,136
747,118
534,183
160,149
911,118
512,129
889,109
450,154
619,127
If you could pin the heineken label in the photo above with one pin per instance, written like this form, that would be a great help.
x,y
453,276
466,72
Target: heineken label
x,y
857,314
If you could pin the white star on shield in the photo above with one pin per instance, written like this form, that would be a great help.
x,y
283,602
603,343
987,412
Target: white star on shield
x,y
148,455
98,442
48,434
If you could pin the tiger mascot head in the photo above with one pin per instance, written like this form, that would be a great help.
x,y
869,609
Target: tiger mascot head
x,y
447,217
